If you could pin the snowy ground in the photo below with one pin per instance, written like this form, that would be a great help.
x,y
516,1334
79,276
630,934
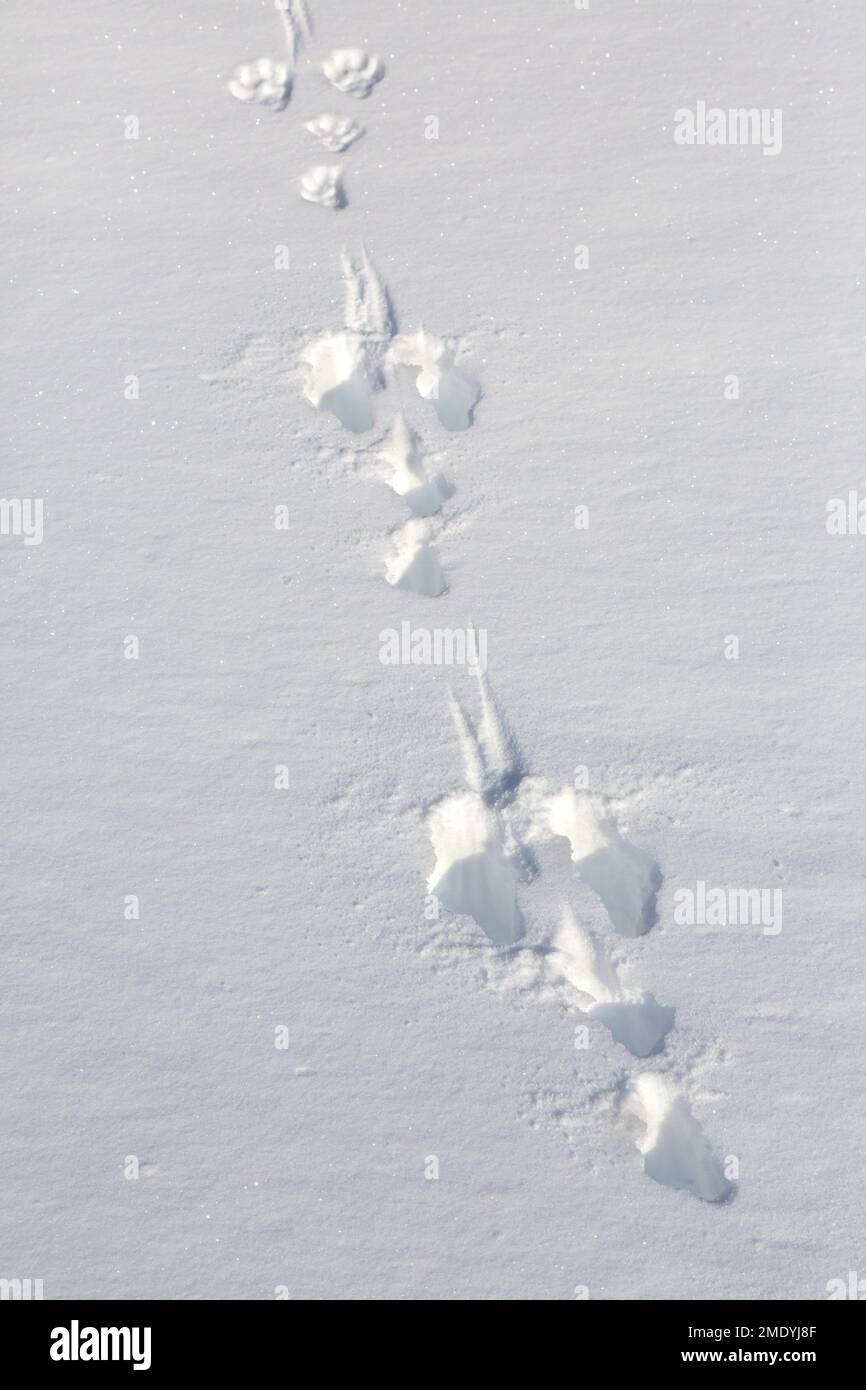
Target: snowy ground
x,y
164,294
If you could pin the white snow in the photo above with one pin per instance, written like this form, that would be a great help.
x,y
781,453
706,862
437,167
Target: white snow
x,y
284,921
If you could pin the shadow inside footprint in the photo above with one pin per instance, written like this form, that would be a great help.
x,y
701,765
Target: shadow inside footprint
x,y
456,399
627,881
640,1024
351,404
676,1152
484,887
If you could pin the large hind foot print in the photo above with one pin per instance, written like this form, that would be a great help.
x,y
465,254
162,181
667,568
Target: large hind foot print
x,y
675,1150
633,1017
473,874
452,391
478,861
296,22
625,878
337,379
342,370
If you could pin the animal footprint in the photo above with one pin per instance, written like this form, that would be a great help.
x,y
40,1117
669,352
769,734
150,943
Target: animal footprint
x,y
336,133
481,839
406,475
453,392
323,185
632,1017
625,878
412,562
342,370
675,1151
337,379
478,859
262,83
474,873
353,72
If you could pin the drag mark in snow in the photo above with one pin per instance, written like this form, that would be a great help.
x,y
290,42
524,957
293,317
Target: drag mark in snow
x,y
297,25
367,302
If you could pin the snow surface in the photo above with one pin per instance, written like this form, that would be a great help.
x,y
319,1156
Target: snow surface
x,y
614,1104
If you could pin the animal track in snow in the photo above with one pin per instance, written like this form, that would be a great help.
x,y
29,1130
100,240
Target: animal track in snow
x,y
406,474
336,133
482,840
367,303
353,72
624,877
297,24
369,320
342,370
632,1017
266,83
571,967
453,392
323,185
262,83
531,815
412,562
478,859
675,1151
474,873
337,379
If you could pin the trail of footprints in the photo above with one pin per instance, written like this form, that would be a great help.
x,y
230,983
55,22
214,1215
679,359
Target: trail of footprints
x,y
342,370
483,840
268,84
342,373
484,836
